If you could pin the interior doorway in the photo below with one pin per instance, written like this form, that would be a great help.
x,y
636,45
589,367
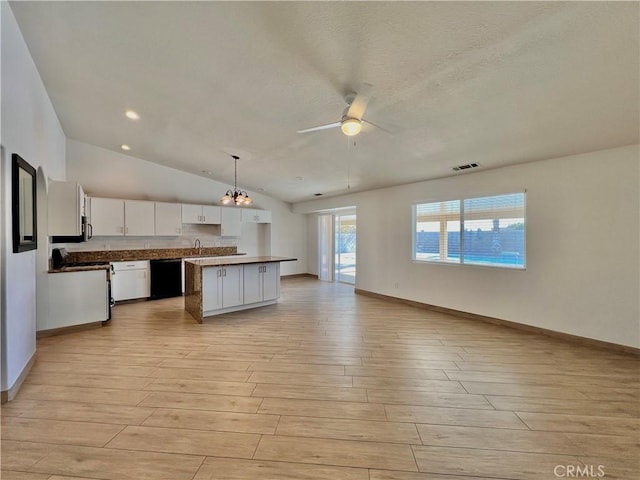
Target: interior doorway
x,y
337,246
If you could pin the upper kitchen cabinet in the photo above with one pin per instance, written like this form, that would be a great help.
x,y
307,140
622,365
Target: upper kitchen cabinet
x,y
115,217
107,216
252,215
203,214
168,219
65,208
231,224
139,218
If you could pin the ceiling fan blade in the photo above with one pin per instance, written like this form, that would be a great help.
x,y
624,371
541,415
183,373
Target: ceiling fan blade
x,y
359,104
320,127
390,132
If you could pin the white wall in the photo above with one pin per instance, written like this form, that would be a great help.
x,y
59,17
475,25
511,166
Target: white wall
x,y
102,172
582,246
30,128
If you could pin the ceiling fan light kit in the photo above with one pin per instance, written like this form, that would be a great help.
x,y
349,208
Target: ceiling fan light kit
x,y
236,196
351,123
351,126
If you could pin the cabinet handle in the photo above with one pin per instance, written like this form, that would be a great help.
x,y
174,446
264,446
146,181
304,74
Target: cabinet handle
x,y
224,272
204,219
219,273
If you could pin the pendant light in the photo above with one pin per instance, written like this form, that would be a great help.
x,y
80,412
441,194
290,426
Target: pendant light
x,y
236,196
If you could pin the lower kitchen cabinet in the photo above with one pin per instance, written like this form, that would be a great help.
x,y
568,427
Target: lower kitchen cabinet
x,y
130,280
222,287
76,298
261,282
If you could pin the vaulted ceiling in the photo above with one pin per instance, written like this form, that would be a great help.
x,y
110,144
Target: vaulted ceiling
x,y
453,82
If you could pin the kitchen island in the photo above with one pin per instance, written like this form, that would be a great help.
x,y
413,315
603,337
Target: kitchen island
x,y
214,286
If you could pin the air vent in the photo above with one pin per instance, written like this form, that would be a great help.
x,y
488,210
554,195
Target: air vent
x,y
465,167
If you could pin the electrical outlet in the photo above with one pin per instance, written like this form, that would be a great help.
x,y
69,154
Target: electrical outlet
x,y
397,285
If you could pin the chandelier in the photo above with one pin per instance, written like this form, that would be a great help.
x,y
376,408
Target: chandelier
x,y
236,196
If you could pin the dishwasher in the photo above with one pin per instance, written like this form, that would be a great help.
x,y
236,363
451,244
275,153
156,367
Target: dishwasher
x,y
130,280
166,278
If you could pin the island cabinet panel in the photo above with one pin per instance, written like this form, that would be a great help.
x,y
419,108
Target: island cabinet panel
x,y
261,282
211,289
271,281
222,287
252,283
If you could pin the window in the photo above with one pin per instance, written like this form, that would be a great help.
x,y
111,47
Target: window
x,y
476,231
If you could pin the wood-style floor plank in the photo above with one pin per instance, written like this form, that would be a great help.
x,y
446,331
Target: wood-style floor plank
x,y
324,385
186,441
233,469
112,464
343,429
336,452
215,421
490,463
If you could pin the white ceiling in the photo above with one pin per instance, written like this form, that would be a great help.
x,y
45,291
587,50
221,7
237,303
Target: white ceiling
x,y
455,82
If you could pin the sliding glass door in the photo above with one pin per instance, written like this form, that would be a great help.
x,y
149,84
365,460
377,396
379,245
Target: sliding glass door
x,y
345,248
337,247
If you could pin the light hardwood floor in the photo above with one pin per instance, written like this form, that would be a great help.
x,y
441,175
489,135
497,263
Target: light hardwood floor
x,y
325,385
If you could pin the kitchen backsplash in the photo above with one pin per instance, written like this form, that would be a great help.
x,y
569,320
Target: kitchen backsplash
x,y
209,236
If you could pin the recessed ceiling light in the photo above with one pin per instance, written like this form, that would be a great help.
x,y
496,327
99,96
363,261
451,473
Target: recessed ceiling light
x,y
125,147
132,115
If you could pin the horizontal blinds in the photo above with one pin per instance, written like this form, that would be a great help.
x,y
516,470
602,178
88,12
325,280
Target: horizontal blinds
x,y
496,207
429,212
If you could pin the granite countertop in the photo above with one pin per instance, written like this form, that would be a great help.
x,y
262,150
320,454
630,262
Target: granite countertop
x,y
148,254
220,262
85,268
103,257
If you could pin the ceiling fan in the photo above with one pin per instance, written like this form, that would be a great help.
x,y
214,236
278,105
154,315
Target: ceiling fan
x,y
351,122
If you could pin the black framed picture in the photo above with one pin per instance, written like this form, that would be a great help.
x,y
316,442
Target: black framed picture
x,y
23,205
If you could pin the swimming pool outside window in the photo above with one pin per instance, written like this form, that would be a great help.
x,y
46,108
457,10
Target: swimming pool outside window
x,y
477,231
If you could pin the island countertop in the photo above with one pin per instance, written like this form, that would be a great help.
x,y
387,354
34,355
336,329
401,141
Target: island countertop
x,y
225,261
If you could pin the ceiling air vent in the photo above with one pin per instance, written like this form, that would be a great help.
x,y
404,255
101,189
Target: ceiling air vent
x,y
465,167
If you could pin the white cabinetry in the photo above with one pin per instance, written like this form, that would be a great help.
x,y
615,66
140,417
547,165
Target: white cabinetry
x,y
204,214
65,208
107,216
76,298
222,287
261,282
168,219
230,222
116,217
252,215
130,280
139,218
